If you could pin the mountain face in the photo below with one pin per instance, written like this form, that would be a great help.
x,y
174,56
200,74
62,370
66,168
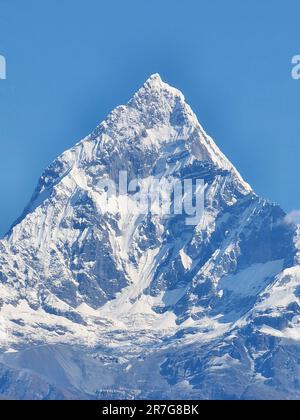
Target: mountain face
x,y
114,304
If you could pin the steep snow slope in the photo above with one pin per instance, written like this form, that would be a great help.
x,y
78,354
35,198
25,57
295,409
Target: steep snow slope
x,y
113,299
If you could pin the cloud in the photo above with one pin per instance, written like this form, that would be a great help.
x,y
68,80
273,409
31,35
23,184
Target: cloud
x,y
293,217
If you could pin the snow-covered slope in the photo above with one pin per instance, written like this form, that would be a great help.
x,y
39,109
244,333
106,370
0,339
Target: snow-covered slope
x,y
101,304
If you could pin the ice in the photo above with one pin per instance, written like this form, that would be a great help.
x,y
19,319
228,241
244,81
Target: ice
x,y
116,304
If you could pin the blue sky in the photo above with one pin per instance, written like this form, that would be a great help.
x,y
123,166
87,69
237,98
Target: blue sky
x,y
70,62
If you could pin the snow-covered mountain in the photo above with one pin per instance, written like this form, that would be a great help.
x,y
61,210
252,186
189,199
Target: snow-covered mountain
x,y
98,304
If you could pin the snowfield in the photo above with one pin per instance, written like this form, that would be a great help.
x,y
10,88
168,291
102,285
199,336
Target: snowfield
x,y
97,305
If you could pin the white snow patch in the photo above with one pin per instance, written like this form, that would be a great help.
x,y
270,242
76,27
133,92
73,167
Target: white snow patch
x,y
187,262
251,280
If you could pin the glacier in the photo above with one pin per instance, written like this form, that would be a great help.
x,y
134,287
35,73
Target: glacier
x,y
117,305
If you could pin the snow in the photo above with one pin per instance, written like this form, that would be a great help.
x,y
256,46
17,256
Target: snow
x,y
187,262
97,300
280,294
252,280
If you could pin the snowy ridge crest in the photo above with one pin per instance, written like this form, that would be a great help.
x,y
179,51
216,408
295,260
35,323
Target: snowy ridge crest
x,y
139,300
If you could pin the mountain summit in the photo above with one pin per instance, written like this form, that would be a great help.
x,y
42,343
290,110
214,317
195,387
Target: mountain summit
x,y
115,304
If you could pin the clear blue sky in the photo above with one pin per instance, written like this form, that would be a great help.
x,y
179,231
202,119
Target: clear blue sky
x,y
69,62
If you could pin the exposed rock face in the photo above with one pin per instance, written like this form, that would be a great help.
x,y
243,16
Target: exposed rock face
x,y
114,304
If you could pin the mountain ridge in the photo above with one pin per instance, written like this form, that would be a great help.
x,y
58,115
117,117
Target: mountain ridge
x,y
198,304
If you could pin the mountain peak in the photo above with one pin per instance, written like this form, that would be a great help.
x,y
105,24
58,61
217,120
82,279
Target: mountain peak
x,y
155,82
154,78
154,89
157,121
84,276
